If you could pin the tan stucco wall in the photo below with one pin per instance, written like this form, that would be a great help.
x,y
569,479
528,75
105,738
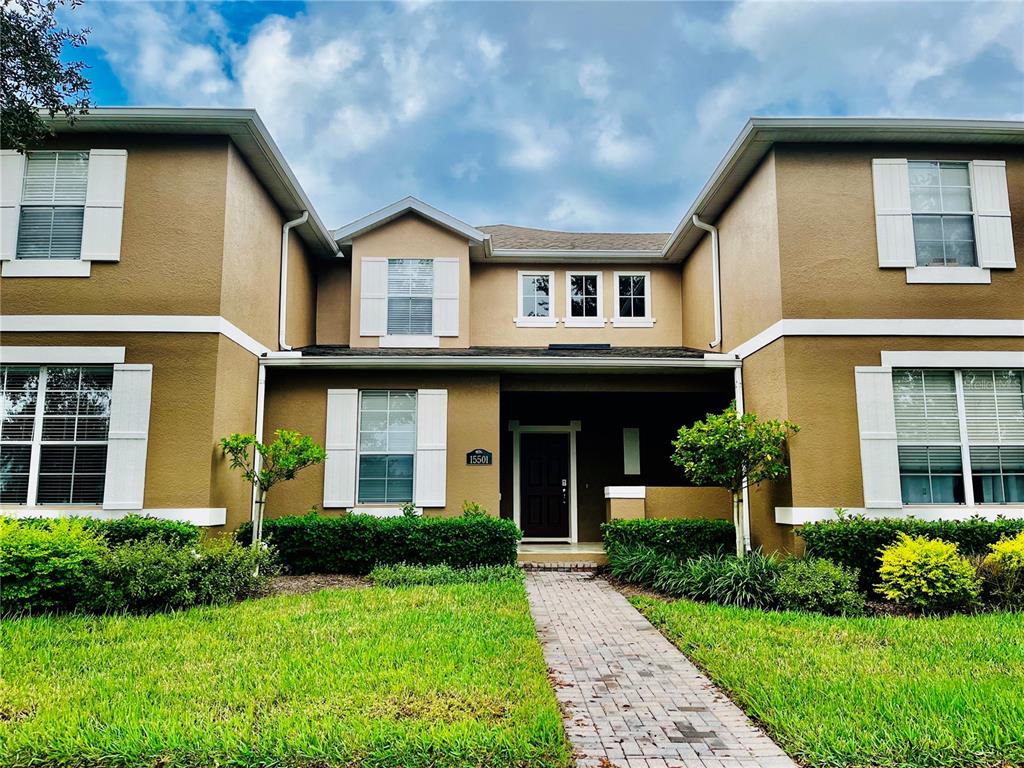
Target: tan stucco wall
x,y
827,242
748,242
671,503
171,242
409,237
203,388
333,307
297,399
496,293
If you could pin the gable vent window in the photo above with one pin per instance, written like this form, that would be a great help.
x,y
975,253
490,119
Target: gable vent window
x,y
952,425
940,200
410,296
53,205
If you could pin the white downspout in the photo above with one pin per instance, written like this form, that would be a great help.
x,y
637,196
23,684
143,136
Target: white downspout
x,y
261,393
283,303
716,287
737,379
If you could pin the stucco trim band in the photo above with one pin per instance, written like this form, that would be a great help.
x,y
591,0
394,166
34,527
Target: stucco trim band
x,y
804,515
877,327
201,516
62,355
131,324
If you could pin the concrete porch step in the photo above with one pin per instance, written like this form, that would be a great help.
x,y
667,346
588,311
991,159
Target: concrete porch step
x,y
584,556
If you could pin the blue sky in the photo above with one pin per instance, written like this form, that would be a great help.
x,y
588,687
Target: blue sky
x,y
590,116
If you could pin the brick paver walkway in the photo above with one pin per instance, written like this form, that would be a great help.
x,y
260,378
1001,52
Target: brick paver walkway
x,y
628,695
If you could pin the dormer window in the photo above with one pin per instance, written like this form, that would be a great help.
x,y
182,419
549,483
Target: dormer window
x,y
410,297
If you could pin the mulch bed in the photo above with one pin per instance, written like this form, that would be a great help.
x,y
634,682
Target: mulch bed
x,y
312,582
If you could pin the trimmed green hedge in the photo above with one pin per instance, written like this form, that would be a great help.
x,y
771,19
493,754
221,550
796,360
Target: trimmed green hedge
x,y
682,539
856,541
129,528
314,543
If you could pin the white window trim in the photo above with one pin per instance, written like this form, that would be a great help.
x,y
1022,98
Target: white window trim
x,y
522,321
584,322
383,508
949,275
46,268
647,321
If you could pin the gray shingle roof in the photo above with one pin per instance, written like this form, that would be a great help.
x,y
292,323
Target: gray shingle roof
x,y
507,236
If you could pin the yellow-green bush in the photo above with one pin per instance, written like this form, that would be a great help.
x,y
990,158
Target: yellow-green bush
x,y
1003,571
929,575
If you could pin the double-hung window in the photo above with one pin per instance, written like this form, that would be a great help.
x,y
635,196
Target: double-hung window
x,y
583,299
960,435
535,289
410,296
53,205
943,216
632,298
54,424
387,446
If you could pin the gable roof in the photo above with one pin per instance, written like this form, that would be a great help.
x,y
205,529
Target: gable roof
x,y
344,235
242,126
508,237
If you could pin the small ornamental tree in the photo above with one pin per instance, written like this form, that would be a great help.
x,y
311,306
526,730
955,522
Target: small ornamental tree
x,y
280,460
735,452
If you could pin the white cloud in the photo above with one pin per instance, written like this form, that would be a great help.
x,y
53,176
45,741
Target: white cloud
x,y
535,145
593,79
613,148
469,169
573,210
490,49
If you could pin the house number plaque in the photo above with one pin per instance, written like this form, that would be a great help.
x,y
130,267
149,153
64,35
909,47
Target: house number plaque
x,y
480,457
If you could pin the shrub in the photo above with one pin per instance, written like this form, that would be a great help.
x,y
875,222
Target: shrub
x,y
637,564
128,528
927,574
226,571
690,578
314,543
144,576
1003,572
402,575
680,539
746,582
855,541
47,567
819,585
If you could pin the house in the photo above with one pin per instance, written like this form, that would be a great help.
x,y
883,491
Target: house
x,y
165,281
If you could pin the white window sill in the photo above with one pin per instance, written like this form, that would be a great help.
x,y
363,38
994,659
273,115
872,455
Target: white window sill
x,y
46,268
585,322
633,322
536,322
410,341
382,511
949,275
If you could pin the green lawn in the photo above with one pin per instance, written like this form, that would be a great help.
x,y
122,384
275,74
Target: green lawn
x,y
424,676
865,692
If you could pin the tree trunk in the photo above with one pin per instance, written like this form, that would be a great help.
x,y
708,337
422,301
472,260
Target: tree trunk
x,y
737,520
257,523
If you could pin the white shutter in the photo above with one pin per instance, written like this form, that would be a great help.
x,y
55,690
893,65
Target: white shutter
x,y
373,298
879,458
446,297
129,436
104,205
431,447
12,173
894,225
992,208
340,466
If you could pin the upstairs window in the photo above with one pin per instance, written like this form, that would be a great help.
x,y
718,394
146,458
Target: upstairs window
x,y
633,299
410,297
536,295
387,446
583,299
54,424
53,205
940,201
960,436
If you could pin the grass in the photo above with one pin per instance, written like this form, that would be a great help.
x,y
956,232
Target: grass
x,y
897,692
425,676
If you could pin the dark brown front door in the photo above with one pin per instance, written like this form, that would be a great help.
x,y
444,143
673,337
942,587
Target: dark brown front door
x,y
544,475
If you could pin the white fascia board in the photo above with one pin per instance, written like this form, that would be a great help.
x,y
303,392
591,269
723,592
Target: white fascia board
x,y
131,324
243,126
454,362
408,205
543,255
879,327
760,134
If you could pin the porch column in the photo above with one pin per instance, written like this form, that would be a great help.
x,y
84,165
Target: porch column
x,y
625,502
